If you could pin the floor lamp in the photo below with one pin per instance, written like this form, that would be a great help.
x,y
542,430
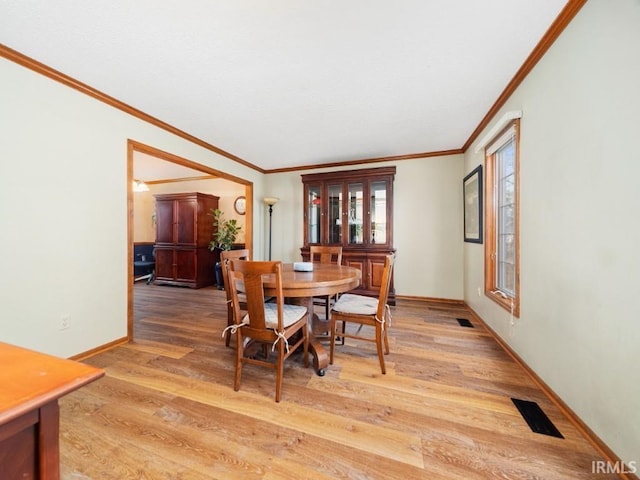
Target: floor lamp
x,y
271,201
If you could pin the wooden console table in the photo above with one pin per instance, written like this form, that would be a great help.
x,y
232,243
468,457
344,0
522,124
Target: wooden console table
x,y
30,385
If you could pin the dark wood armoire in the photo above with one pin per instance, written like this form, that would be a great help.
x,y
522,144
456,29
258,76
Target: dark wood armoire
x,y
184,228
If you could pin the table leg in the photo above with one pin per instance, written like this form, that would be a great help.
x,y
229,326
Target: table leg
x,y
316,327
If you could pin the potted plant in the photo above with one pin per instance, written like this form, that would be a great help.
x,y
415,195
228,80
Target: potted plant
x,y
225,233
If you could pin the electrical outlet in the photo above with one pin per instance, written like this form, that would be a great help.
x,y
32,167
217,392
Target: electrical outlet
x,y
65,322
479,292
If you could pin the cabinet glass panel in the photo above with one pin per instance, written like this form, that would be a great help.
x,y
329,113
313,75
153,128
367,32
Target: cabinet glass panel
x,y
335,213
314,202
355,213
378,209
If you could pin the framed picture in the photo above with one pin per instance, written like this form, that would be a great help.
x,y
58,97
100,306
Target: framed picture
x,y
472,197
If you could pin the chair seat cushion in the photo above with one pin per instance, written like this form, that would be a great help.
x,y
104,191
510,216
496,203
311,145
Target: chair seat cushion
x,y
358,304
291,314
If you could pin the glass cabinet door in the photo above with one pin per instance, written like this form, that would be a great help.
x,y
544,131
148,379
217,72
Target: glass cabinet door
x,y
355,213
350,208
334,193
378,212
314,202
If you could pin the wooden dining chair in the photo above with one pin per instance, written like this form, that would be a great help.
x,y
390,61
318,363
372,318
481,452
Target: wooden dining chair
x,y
282,325
225,257
363,310
325,254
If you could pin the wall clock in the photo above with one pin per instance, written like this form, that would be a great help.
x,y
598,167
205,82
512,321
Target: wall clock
x,y
240,205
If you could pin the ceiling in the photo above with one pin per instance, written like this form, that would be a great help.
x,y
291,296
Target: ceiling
x,y
292,83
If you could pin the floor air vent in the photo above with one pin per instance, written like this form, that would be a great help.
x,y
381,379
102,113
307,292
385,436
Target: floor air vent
x,y
536,418
464,322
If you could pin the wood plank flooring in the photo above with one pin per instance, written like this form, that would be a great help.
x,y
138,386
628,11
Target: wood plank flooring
x,y
166,408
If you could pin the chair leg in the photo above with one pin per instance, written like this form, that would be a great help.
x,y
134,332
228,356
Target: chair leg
x,y
379,335
332,342
327,302
386,340
305,346
239,362
279,370
335,297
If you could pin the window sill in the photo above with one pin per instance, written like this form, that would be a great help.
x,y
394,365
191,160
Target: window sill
x,y
505,302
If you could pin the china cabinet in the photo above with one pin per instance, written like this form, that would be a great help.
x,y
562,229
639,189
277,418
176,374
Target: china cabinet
x,y
352,209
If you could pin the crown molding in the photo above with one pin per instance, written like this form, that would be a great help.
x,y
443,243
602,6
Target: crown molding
x,y
553,32
71,82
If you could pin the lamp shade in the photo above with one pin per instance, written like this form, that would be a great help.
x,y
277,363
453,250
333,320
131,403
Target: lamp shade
x,y
271,201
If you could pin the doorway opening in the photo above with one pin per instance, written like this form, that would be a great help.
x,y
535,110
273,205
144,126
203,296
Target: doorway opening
x,y
175,167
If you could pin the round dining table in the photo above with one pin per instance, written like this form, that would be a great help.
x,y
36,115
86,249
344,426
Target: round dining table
x,y
324,279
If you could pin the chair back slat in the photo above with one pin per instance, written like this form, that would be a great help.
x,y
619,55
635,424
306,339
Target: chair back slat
x,y
325,254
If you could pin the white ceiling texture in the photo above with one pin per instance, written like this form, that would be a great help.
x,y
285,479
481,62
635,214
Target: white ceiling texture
x,y
292,83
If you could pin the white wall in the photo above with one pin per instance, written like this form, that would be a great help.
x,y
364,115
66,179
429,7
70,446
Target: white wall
x,y
427,223
144,227
63,211
579,327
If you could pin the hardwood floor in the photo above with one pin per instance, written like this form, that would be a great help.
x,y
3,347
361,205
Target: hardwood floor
x,y
166,408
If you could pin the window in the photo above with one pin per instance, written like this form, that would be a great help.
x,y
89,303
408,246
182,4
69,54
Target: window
x,y
502,270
